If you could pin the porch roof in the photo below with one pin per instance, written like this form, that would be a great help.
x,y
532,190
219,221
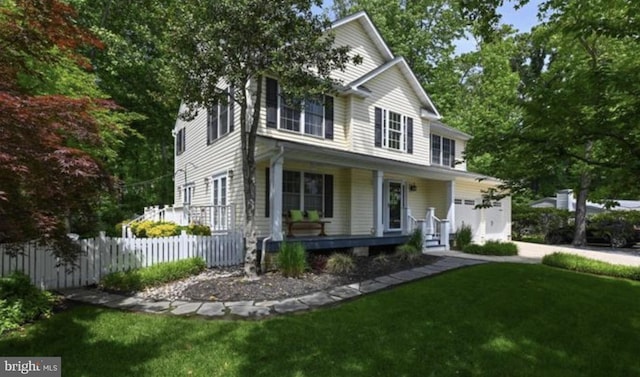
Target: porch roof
x,y
336,157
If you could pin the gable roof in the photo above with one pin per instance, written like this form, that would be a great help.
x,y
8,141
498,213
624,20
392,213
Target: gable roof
x,y
356,86
363,18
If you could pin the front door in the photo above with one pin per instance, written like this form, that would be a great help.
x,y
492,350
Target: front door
x,y
394,205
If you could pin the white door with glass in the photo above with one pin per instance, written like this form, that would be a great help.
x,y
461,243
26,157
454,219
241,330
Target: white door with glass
x,y
219,202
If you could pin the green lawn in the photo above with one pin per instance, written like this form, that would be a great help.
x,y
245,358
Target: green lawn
x,y
488,320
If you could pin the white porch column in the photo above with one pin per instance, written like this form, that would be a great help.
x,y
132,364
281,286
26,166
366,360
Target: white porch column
x,y
444,234
378,188
430,228
451,207
275,197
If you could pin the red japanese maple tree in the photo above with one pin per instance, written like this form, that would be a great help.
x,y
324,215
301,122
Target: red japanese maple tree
x,y
47,170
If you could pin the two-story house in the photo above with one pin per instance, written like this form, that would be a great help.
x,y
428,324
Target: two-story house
x,y
373,160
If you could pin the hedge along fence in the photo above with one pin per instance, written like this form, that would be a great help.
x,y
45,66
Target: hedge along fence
x,y
103,255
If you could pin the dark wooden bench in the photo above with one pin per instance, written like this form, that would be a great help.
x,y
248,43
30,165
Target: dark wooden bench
x,y
305,223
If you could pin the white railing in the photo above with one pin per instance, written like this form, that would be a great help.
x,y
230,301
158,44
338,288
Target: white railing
x,y
432,227
220,219
103,255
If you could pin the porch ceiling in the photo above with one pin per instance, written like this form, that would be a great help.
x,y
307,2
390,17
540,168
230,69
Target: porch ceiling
x,y
335,157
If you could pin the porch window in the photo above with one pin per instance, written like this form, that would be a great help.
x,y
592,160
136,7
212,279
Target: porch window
x,y
302,191
220,119
443,151
305,191
311,116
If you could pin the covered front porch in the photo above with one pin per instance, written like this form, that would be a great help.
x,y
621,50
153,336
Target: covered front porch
x,y
363,201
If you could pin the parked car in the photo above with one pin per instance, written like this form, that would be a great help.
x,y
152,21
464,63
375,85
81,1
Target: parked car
x,y
615,234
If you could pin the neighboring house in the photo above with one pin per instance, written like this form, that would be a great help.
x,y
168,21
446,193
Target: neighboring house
x,y
565,199
373,159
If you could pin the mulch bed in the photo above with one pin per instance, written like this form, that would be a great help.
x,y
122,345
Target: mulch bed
x,y
274,286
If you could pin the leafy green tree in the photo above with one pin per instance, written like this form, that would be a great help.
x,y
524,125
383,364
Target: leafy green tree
x,y
239,41
133,69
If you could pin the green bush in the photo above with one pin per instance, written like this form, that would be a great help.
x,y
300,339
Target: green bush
x,y
292,260
526,220
408,252
416,239
163,230
198,230
492,248
21,301
582,264
340,263
463,237
138,279
152,229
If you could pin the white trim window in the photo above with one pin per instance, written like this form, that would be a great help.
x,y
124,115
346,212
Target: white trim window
x,y
220,119
311,116
393,130
301,190
219,190
187,193
443,151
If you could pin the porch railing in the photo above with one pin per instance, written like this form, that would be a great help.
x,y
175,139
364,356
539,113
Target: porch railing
x,y
220,218
432,227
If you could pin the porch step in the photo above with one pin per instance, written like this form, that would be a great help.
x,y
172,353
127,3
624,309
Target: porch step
x,y
433,248
432,242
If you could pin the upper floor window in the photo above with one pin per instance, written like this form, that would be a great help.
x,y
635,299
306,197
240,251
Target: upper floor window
x,y
311,116
393,130
443,151
220,119
181,141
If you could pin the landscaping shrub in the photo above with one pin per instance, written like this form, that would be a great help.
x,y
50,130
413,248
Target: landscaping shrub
x,y
582,264
21,301
292,259
151,229
318,262
163,230
492,248
412,249
138,279
198,230
381,259
463,237
527,221
339,263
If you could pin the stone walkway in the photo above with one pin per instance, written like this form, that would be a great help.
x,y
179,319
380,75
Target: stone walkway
x,y
258,309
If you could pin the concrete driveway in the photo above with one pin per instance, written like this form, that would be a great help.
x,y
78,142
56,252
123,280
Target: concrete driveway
x,y
533,253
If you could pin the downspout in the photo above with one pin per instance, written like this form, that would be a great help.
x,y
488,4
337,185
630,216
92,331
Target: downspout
x,y
264,241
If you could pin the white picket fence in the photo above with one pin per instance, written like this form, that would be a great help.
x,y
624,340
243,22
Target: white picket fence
x,y
103,255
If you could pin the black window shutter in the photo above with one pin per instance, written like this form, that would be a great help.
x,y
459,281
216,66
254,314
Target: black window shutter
x,y
409,135
267,193
272,103
184,139
328,117
231,105
453,153
213,123
328,196
378,126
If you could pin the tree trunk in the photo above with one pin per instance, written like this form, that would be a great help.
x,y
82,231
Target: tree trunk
x,y
249,178
580,234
